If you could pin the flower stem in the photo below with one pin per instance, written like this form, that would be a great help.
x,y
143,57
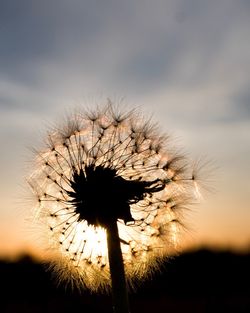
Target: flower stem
x,y
119,285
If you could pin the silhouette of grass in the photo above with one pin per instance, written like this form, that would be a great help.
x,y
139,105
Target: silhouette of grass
x,y
196,281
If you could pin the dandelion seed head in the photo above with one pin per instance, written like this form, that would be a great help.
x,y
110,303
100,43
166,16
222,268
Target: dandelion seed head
x,y
103,166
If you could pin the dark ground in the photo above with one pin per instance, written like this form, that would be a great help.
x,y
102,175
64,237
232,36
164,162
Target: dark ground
x,y
197,282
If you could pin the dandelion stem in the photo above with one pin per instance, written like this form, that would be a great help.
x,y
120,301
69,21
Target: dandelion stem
x,y
119,285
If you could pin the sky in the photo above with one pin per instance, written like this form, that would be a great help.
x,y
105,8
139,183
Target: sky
x,y
186,63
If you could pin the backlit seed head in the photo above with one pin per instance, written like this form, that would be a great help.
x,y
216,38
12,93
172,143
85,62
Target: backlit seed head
x,y
100,167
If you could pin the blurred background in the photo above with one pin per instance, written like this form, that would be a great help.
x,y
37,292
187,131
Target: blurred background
x,y
186,63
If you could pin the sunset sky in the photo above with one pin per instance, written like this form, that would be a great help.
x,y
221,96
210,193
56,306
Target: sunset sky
x,y
186,63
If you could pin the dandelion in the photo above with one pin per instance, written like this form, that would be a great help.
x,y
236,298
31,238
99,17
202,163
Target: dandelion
x,y
111,194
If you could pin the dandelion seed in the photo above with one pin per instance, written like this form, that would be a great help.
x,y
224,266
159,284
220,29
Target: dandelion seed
x,y
197,190
103,170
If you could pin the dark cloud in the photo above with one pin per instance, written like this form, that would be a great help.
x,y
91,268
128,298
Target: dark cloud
x,y
36,31
131,46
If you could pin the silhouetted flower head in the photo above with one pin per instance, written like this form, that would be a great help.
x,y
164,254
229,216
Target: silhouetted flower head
x,y
103,166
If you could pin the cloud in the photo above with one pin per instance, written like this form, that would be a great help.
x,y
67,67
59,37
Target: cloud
x,y
188,61
189,58
133,46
